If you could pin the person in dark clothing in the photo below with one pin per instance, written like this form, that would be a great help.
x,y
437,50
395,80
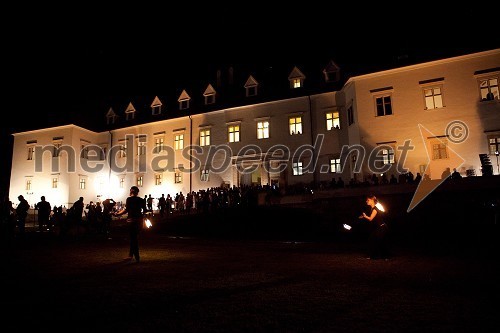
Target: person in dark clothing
x,y
7,220
162,205
22,214
78,211
135,207
108,206
378,247
44,210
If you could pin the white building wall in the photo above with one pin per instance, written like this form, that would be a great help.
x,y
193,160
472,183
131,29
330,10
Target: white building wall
x,y
461,99
166,163
461,103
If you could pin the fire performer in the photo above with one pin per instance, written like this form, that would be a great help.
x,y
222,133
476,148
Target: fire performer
x,y
135,206
377,243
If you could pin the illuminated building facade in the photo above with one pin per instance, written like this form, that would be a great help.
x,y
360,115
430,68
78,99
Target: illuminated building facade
x,y
310,132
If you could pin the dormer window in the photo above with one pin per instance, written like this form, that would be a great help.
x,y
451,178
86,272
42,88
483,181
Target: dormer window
x,y
251,86
156,107
184,100
110,116
209,95
296,78
130,112
331,72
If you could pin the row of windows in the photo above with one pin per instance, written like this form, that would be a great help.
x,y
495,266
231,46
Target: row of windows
x,y
433,96
233,135
439,151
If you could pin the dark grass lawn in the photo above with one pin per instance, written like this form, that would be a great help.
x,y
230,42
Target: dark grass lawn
x,y
287,270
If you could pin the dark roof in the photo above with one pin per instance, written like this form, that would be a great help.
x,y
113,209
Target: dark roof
x,y
89,111
273,84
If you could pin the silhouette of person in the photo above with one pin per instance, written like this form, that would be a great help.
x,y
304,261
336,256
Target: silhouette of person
x,y
162,204
456,175
7,219
107,211
135,207
22,214
78,211
377,247
446,174
44,210
149,203
418,178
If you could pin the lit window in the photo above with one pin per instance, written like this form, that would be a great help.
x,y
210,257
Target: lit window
x,y
332,120
297,83
178,177
204,175
140,181
387,155
123,150
489,88
383,105
55,181
335,165
179,141
83,183
28,185
158,178
295,125
433,98
159,141
439,151
234,133
205,137
141,147
297,168
263,129
494,144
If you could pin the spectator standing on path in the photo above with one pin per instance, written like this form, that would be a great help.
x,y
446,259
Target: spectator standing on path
x,y
7,220
377,247
135,207
150,203
78,211
108,206
22,214
162,205
44,210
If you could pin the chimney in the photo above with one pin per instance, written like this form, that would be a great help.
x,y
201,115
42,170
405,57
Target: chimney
x,y
218,78
230,75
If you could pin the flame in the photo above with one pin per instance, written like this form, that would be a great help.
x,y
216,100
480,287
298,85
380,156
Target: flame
x,y
380,207
148,223
347,227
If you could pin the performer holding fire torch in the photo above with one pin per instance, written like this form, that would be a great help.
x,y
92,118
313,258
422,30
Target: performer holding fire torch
x,y
377,246
135,206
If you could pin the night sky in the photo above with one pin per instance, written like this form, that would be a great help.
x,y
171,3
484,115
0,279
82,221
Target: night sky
x,y
65,66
